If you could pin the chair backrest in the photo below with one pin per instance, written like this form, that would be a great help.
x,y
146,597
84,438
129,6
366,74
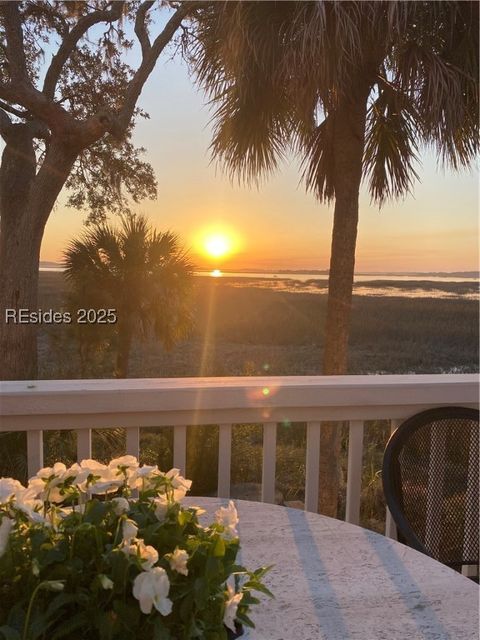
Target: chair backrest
x,y
431,483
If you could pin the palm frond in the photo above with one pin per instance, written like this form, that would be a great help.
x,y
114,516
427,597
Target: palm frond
x,y
270,68
391,145
435,64
318,160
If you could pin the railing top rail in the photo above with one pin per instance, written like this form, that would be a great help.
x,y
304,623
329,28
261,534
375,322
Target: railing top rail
x,y
114,397
233,382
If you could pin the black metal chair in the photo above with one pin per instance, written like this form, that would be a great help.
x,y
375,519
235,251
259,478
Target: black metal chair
x,y
431,484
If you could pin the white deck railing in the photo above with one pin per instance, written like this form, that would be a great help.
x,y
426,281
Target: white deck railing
x,y
83,405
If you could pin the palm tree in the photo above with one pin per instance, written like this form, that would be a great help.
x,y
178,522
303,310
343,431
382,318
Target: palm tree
x,y
357,89
139,272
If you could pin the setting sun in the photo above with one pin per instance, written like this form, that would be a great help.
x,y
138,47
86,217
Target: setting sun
x,y
217,246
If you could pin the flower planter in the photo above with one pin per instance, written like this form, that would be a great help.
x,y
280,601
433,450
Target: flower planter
x,y
239,632
147,550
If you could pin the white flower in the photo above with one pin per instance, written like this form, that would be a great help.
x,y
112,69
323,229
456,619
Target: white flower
x,y
147,554
46,482
140,477
27,502
57,470
123,464
178,561
109,486
180,484
161,507
105,481
76,472
8,488
105,581
231,606
147,470
178,481
93,466
129,530
53,585
5,528
228,517
151,588
120,505
35,567
36,486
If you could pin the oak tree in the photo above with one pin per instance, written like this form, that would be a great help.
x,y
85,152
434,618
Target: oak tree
x,y
68,124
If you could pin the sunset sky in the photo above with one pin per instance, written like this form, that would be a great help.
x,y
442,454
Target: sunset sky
x,y
278,225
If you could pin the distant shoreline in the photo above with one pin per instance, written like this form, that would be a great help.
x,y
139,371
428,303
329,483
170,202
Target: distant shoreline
x,y
474,275
364,286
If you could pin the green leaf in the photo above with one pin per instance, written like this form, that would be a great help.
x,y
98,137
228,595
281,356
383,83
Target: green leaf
x,y
213,568
259,573
9,633
258,586
245,620
81,620
186,608
201,593
160,631
96,512
219,549
129,615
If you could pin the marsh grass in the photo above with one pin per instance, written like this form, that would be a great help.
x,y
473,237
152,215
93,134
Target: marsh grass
x,y
252,332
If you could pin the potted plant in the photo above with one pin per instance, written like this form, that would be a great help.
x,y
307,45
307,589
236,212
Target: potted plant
x,y
108,552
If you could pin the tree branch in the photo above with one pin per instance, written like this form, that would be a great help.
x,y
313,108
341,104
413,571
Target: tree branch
x,y
37,104
15,112
38,129
116,123
140,28
17,62
5,124
149,60
71,40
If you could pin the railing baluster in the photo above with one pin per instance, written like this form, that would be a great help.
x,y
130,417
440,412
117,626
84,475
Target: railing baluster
x,y
312,466
133,441
34,451
84,444
180,447
224,460
269,461
390,526
354,471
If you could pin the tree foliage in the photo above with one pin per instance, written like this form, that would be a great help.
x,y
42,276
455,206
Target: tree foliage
x,y
276,74
99,57
140,273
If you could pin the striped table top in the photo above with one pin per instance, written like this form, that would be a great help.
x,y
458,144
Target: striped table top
x,y
336,581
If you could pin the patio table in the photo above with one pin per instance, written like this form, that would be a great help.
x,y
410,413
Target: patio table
x,y
337,581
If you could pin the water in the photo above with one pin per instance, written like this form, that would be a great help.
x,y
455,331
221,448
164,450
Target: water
x,y
359,277
365,284
447,286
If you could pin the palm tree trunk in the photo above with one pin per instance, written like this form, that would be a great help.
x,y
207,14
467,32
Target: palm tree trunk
x,y
125,337
349,138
